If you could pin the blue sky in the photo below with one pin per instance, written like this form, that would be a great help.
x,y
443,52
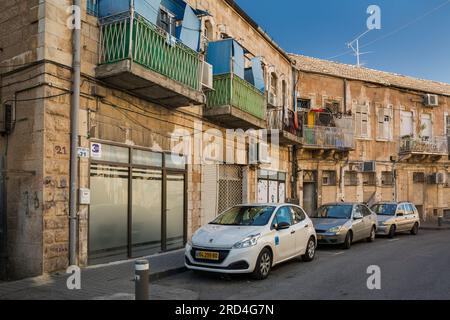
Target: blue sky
x,y
321,28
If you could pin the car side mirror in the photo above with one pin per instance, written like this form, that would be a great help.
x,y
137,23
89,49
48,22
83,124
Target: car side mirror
x,y
400,214
282,226
357,217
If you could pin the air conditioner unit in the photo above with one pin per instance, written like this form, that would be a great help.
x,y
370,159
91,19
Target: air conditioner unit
x,y
258,153
369,166
207,75
431,100
436,178
356,167
272,99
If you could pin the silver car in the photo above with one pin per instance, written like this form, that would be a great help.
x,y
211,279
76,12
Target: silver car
x,y
344,223
396,217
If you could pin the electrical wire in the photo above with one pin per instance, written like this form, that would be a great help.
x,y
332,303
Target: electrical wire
x,y
41,98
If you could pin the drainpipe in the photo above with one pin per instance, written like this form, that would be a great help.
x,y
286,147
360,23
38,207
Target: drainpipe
x,y
75,105
345,96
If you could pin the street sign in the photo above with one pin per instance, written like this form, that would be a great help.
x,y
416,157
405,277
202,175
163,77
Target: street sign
x,y
83,152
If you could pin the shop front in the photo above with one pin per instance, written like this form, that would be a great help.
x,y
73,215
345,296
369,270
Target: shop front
x,y
138,203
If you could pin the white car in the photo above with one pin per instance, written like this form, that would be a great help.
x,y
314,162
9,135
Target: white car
x,y
252,239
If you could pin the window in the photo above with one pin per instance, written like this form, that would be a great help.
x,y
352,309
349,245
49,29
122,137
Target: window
x,y
283,215
351,178
273,84
329,178
365,211
298,215
369,178
447,182
333,106
384,123
419,177
362,125
166,21
406,124
426,130
271,187
387,178
304,103
284,93
92,7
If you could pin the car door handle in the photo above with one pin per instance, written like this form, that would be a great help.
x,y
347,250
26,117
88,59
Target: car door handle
x,y
293,231
306,226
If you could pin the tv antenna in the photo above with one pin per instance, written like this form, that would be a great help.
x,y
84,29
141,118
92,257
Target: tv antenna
x,y
354,45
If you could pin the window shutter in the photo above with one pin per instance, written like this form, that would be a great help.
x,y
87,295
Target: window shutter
x,y
380,123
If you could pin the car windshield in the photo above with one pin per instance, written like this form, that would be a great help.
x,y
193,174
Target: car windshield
x,y
334,212
245,216
384,209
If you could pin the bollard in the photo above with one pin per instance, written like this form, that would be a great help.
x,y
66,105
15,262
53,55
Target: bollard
x,y
141,275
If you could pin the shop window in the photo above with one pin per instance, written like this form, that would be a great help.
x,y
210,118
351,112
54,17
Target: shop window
x,y
419,177
271,187
109,153
351,178
387,178
369,178
329,178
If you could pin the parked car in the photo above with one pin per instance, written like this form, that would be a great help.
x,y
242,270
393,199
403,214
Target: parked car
x,y
344,223
396,217
252,239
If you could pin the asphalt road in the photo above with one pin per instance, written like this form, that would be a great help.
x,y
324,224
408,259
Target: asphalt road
x,y
412,267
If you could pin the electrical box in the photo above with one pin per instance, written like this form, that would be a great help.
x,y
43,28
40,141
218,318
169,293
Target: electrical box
x,y
84,196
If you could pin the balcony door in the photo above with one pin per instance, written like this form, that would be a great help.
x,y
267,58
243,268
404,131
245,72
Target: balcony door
x,y
406,124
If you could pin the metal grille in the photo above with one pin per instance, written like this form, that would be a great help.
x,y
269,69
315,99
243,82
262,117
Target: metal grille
x,y
230,186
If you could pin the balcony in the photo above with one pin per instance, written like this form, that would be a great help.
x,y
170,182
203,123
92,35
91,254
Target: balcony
x,y
328,138
285,124
430,147
235,103
139,57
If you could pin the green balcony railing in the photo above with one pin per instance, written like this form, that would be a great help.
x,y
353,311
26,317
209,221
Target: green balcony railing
x,y
150,47
230,89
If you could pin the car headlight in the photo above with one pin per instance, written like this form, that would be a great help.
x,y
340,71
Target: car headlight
x,y
336,229
250,241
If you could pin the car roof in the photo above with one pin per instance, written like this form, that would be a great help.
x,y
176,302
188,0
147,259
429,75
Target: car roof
x,y
341,203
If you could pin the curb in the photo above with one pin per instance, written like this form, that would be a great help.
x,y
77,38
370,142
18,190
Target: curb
x,y
166,273
435,228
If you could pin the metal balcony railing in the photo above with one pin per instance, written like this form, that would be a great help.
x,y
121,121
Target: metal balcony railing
x,y
283,119
132,37
328,137
434,145
231,90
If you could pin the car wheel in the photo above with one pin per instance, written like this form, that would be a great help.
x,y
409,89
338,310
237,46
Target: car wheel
x,y
371,238
263,265
310,251
348,241
415,229
391,233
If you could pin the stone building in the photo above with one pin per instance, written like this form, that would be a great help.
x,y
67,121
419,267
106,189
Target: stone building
x,y
399,137
159,75
145,81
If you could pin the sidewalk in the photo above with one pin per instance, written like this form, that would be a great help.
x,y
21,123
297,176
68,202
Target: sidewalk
x,y
106,282
434,225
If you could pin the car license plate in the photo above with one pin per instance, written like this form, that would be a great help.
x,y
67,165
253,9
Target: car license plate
x,y
206,255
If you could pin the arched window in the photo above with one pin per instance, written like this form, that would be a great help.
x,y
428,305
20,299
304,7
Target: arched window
x,y
273,84
208,31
